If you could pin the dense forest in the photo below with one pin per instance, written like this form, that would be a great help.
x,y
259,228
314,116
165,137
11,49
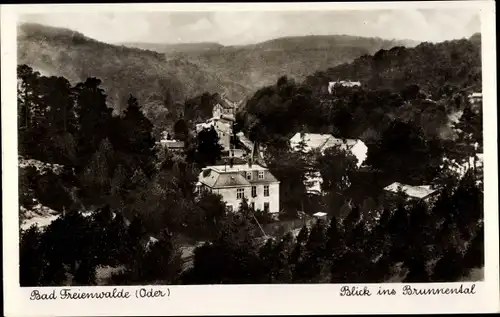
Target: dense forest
x,y
125,203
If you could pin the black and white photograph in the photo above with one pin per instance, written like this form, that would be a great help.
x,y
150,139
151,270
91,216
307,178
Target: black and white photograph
x,y
209,147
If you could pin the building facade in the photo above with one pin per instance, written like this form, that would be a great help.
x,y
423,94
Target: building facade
x,y
223,107
234,182
223,127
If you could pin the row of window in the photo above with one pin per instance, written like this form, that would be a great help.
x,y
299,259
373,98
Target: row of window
x,y
240,192
249,175
266,207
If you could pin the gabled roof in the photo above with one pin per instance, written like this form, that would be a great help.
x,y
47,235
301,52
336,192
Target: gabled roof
x,y
232,176
324,141
419,192
230,180
313,140
348,143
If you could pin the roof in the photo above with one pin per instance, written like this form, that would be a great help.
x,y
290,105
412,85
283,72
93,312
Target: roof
x,y
225,103
476,94
237,168
320,214
324,141
331,142
227,117
313,141
172,143
346,83
226,176
420,192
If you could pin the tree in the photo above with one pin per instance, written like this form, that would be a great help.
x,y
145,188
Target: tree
x,y
208,216
208,149
337,168
474,257
134,136
334,240
27,95
404,154
311,266
398,228
279,266
417,267
162,263
181,130
31,260
298,252
468,203
290,168
94,117
97,173
449,268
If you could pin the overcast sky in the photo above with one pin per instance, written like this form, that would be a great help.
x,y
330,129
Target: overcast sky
x,y
234,28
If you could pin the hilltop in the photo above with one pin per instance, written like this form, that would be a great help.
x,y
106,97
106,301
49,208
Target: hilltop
x,y
433,67
261,64
124,70
174,48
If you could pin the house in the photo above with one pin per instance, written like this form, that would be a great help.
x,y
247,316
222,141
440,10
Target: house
x,y
173,145
475,97
233,182
323,216
322,142
343,83
222,126
224,107
423,192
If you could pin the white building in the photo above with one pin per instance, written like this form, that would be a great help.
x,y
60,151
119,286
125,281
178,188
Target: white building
x,y
343,83
324,141
422,192
224,107
475,97
233,182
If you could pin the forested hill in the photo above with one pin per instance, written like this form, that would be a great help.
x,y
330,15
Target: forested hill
x,y
124,70
433,67
261,64
417,92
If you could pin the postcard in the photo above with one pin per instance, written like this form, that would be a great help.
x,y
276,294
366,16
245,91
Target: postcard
x,y
249,159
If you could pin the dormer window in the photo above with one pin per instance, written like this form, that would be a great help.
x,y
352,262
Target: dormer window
x,y
261,174
249,176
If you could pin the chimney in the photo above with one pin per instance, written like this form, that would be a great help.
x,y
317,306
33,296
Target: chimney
x,y
250,162
231,162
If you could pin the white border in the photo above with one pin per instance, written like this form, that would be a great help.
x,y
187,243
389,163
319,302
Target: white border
x,y
247,299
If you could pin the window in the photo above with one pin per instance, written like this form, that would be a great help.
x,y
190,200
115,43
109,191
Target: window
x,y
261,174
254,191
240,193
253,205
266,207
249,175
266,190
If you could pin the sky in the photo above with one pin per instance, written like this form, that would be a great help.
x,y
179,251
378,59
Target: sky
x,y
238,28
